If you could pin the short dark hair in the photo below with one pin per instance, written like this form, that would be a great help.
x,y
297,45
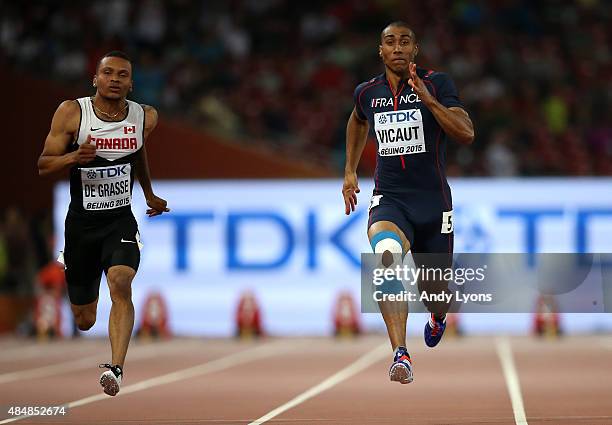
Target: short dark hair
x,y
115,54
400,24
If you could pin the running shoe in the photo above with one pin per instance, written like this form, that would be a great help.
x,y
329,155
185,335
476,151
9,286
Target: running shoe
x,y
111,379
434,329
401,369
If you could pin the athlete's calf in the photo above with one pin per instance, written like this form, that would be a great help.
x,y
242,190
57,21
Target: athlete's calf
x,y
85,315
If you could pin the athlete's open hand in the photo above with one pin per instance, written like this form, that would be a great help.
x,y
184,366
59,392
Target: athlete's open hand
x,y
350,189
418,86
86,152
157,206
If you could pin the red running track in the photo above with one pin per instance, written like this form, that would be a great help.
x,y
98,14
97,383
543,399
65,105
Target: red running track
x,y
315,381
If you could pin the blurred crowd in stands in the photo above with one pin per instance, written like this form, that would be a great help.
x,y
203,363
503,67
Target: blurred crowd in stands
x,y
25,249
536,76
32,283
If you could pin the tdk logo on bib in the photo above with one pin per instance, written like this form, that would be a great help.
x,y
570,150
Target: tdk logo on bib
x,y
400,116
107,172
399,132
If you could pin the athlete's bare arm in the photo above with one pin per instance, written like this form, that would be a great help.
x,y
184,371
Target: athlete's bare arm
x,y
356,138
64,127
455,121
156,204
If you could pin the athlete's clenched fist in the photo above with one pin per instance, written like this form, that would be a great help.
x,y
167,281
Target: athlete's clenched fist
x,y
86,152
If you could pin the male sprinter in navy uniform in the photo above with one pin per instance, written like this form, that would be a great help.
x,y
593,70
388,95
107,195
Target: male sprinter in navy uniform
x,y
412,112
100,139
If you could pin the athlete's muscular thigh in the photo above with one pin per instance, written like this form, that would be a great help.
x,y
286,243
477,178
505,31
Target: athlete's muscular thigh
x,y
389,226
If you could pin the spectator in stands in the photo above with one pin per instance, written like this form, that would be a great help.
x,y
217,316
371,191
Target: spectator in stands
x,y
285,72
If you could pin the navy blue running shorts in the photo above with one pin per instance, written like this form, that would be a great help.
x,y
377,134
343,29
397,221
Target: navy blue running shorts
x,y
425,220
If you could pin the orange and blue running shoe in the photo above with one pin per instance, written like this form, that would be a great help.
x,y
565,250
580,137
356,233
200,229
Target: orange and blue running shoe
x,y
401,369
434,329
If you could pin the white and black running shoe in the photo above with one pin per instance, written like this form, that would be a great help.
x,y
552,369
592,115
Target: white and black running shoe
x,y
111,379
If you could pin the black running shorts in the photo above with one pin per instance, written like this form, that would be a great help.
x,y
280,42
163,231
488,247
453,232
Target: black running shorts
x,y
93,245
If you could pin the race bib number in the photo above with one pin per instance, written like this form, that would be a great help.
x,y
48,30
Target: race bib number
x,y
447,222
105,188
399,132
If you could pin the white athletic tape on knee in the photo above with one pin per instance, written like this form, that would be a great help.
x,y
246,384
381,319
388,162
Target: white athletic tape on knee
x,y
388,244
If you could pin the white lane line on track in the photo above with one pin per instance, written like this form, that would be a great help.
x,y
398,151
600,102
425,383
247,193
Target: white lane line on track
x,y
504,352
138,352
42,349
238,358
606,343
357,366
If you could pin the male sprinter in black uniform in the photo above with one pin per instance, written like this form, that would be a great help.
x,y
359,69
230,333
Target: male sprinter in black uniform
x,y
412,112
100,139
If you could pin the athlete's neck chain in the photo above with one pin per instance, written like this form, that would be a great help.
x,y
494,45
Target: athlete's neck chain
x,y
111,116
